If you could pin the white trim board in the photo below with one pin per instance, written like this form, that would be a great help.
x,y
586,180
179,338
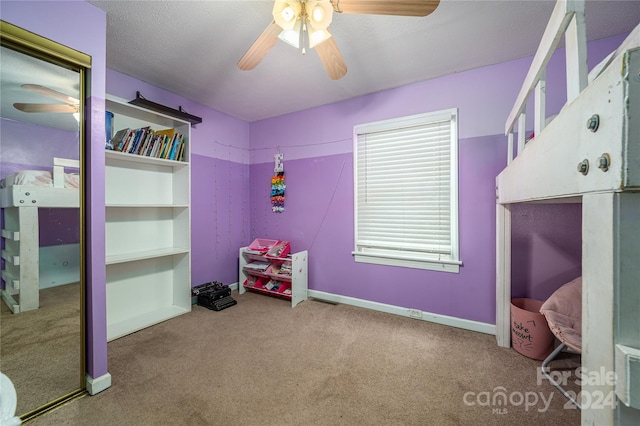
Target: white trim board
x,y
464,324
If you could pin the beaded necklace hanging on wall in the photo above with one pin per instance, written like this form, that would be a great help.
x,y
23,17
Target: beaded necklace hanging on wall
x,y
277,185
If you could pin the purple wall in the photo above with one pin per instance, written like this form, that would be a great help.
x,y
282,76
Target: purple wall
x,y
546,248
318,217
219,218
317,146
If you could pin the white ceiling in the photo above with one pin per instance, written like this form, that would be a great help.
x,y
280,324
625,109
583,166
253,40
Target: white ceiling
x,y
191,48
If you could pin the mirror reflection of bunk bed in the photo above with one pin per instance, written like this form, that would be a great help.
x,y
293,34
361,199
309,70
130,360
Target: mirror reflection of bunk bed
x,y
589,153
22,194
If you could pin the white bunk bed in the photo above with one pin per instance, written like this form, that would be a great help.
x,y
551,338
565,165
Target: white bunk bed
x,y
21,195
588,153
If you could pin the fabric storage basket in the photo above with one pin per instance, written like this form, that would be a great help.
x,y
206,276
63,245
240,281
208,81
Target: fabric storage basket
x,y
530,333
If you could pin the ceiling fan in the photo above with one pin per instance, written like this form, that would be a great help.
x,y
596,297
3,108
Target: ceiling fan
x,y
70,105
302,22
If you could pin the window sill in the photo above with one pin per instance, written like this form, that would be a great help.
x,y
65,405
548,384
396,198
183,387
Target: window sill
x,y
451,266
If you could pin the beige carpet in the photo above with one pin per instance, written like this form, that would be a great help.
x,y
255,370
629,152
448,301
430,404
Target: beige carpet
x,y
262,363
40,349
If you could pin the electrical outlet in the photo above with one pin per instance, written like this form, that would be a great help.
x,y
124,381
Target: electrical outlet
x,y
414,313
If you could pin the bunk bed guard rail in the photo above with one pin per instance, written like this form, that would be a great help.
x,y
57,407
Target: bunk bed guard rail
x,y
568,20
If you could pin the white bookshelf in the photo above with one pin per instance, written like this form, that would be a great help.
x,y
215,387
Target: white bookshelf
x,y
147,228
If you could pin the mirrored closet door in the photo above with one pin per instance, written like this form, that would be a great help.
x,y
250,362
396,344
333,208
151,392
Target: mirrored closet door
x,y
41,195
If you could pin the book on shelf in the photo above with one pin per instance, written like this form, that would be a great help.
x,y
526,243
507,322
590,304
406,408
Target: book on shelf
x,y
166,132
174,146
129,139
118,140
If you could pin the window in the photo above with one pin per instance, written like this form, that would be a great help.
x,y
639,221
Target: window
x,y
406,191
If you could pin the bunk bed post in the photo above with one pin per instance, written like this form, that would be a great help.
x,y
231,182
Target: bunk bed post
x,y
599,259
522,130
576,53
626,302
540,104
503,275
509,147
29,259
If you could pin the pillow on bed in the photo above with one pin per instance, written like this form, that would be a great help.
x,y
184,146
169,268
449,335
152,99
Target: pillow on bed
x,y
38,178
563,312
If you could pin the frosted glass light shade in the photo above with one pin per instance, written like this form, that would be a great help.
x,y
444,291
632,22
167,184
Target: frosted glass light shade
x,y
292,36
318,36
319,13
286,13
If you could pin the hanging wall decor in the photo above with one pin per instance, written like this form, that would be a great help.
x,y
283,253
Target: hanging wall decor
x,y
277,185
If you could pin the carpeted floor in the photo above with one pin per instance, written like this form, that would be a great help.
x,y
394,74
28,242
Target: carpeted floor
x,y
40,350
262,363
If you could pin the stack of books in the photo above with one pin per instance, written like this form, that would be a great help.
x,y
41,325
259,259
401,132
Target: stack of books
x,y
167,144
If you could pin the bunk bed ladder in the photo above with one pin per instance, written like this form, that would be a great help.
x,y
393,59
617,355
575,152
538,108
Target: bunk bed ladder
x,y
19,244
12,262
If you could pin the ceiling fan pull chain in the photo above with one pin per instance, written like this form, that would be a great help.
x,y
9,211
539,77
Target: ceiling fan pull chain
x,y
304,37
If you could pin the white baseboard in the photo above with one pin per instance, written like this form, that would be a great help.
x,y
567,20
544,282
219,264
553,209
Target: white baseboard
x,y
98,384
233,286
464,324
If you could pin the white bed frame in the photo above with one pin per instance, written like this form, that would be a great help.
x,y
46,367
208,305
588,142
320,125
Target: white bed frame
x,y
20,205
565,162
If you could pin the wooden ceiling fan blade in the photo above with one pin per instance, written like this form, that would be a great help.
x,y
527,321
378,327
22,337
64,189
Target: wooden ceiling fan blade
x,y
54,94
45,107
260,47
386,7
332,59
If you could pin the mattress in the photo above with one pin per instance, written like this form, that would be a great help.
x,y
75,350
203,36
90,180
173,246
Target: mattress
x,y
38,178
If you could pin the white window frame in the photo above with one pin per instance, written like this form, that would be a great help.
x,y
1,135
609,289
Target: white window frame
x,y
430,261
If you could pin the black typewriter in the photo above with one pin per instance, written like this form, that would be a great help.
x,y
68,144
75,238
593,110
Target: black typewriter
x,y
214,295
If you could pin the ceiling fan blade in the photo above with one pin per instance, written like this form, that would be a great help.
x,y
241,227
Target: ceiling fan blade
x,y
45,91
386,7
260,47
331,59
45,107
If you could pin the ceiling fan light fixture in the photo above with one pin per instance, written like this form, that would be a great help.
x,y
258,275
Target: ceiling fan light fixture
x,y
320,13
286,13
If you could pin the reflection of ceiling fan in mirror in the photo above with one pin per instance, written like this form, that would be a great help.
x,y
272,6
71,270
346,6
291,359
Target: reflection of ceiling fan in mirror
x,y
70,105
306,22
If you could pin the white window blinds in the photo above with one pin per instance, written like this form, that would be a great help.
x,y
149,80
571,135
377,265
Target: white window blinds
x,y
406,187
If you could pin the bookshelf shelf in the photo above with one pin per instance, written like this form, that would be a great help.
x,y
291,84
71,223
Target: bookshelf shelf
x,y
147,227
115,155
145,254
151,206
